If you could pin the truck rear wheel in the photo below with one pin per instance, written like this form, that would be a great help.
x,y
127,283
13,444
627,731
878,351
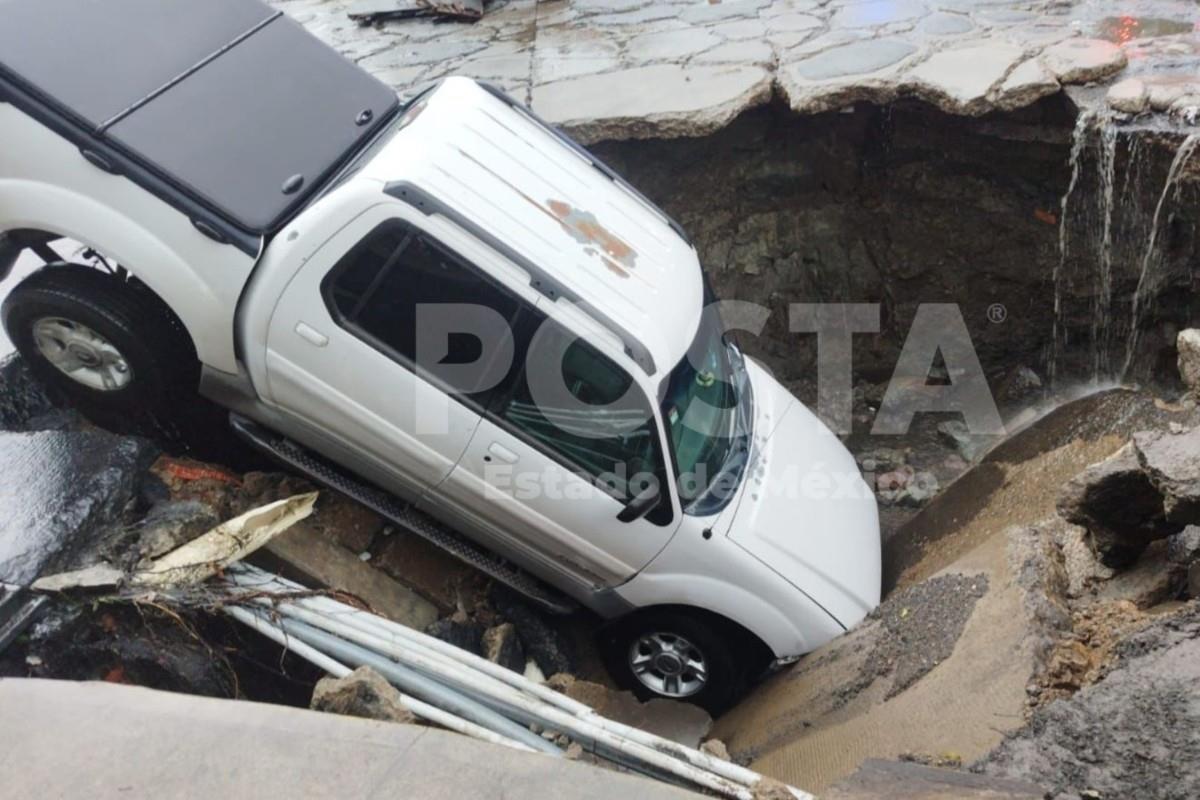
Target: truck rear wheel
x,y
106,343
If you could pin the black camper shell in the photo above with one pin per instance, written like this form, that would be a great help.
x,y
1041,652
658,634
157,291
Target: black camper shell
x,y
227,109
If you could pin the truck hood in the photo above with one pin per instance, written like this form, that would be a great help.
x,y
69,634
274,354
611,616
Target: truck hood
x,y
804,510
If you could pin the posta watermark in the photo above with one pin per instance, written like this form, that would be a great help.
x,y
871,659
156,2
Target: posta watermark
x,y
586,404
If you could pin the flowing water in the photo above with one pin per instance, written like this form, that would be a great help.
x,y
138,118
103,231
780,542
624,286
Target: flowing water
x,y
1102,305
1079,140
1100,212
1151,262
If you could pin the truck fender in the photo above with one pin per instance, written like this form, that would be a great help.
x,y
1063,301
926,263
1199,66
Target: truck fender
x,y
193,287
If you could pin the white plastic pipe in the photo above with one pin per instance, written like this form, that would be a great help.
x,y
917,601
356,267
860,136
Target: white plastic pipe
x,y
530,709
261,580
338,670
435,692
441,659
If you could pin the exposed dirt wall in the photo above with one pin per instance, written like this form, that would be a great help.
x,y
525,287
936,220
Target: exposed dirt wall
x,y
903,205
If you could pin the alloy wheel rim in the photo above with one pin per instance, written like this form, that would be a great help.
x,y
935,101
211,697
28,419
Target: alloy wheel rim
x,y
81,354
668,664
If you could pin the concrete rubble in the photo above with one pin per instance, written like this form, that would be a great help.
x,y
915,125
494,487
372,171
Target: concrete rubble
x,y
363,693
1188,345
1119,506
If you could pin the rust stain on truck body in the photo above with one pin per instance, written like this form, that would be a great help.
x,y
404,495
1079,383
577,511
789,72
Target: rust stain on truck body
x,y
587,230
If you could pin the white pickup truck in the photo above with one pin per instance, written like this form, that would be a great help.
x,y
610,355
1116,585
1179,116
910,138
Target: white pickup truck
x,y
444,308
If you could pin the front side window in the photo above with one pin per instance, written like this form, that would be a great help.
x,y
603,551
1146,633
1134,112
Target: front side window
x,y
397,286
579,404
706,405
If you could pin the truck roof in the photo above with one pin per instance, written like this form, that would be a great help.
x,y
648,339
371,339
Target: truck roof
x,y
469,152
228,103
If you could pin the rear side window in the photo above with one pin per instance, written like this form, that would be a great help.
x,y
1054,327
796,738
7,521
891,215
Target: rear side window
x,y
382,287
616,442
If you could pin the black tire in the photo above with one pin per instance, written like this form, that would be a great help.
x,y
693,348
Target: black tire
x,y
721,644
157,350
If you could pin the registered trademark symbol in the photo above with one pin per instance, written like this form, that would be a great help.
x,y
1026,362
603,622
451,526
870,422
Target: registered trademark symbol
x,y
997,313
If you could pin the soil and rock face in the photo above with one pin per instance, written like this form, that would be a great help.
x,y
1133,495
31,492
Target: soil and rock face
x,y
904,205
1002,611
1136,733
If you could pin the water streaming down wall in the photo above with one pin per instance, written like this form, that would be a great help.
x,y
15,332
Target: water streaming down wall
x,y
1151,275
1114,254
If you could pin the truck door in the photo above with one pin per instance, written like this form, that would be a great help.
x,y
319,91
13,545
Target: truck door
x,y
341,350
542,473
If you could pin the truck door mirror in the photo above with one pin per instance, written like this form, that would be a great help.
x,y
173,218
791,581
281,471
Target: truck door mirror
x,y
642,505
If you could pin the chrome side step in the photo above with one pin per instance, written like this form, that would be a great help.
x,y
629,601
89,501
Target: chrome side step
x,y
405,516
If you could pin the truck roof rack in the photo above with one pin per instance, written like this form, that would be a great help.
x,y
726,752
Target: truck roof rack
x,y
227,109
585,154
540,278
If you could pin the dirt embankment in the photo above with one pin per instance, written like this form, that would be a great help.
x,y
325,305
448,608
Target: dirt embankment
x,y
993,616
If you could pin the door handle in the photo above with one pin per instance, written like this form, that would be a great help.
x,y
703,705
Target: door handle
x,y
311,335
500,453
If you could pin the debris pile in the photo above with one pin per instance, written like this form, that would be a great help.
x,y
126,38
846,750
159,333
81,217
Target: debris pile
x,y
369,12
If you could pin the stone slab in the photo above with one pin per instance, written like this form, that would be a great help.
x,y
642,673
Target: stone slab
x,y
962,79
817,54
658,100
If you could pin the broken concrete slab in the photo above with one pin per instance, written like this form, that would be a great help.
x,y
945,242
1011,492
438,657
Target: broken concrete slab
x,y
113,732
1084,60
961,79
822,55
311,557
1028,82
1172,463
226,544
1119,505
1128,96
60,489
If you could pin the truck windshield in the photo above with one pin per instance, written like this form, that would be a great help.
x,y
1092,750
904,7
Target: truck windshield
x,y
707,410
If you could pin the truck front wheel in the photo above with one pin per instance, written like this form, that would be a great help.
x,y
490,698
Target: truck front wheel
x,y
677,654
105,342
